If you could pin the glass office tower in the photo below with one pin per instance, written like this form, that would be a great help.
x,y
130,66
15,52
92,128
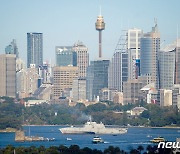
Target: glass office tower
x,y
34,49
97,78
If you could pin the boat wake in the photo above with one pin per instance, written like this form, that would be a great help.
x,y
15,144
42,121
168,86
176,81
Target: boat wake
x,y
121,141
141,143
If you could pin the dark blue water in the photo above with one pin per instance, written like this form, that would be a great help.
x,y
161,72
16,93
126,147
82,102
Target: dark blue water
x,y
134,137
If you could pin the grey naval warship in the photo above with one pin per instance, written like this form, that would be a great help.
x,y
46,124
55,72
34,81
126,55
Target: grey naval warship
x,y
93,128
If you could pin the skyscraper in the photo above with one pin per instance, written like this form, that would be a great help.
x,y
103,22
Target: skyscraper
x,y
97,78
8,75
82,58
150,46
65,56
118,71
177,65
63,77
12,48
34,49
166,69
79,89
133,46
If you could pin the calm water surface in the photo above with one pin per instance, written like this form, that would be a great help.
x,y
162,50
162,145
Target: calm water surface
x,y
134,137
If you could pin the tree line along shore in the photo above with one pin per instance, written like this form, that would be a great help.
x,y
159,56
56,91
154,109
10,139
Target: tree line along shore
x,y
13,115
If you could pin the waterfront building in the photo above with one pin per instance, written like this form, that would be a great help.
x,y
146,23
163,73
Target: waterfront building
x,y
82,58
118,71
65,56
97,78
63,77
8,75
79,89
12,48
34,49
137,111
150,47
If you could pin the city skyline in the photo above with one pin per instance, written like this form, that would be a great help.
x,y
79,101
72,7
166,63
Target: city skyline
x,y
66,22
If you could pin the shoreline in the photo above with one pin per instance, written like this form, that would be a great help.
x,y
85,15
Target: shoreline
x,y
8,130
13,130
176,127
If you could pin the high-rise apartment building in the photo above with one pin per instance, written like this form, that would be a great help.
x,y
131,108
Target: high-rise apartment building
x,y
118,71
34,49
8,75
150,47
97,78
82,58
133,47
65,56
63,77
12,48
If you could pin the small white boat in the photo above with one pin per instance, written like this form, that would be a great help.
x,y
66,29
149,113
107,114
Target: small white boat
x,y
97,139
149,136
69,139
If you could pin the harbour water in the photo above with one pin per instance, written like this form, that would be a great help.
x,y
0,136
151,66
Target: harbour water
x,y
132,139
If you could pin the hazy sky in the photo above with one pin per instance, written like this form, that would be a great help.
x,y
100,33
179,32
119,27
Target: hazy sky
x,y
64,22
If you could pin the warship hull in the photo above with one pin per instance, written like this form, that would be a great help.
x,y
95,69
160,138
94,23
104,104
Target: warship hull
x,y
92,128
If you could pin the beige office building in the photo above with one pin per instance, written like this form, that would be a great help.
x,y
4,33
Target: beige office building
x,y
165,97
132,91
63,77
27,81
8,75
